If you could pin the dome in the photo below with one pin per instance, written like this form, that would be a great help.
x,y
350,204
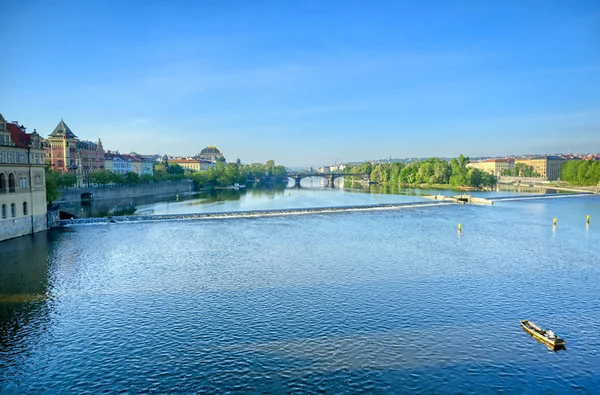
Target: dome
x,y
211,153
210,150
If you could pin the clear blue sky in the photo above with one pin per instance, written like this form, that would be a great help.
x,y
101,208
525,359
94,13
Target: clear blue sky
x,y
308,82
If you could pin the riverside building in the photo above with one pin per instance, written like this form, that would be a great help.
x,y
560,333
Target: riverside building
x,y
547,167
493,166
23,208
65,153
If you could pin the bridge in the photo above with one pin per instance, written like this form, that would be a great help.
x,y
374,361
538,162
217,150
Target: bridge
x,y
330,177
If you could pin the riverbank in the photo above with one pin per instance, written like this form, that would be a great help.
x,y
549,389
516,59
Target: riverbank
x,y
74,195
578,189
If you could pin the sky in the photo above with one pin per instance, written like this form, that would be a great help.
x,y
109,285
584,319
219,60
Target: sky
x,y
307,83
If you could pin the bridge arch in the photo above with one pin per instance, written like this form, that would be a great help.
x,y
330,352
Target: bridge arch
x,y
330,177
87,197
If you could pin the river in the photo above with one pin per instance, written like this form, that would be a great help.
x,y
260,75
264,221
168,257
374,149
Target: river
x,y
375,301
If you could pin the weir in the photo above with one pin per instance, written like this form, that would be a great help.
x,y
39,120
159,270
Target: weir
x,y
462,199
248,214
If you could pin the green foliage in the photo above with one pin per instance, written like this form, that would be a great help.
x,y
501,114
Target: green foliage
x,y
581,172
431,171
66,180
174,168
365,168
101,177
133,178
236,172
52,191
523,170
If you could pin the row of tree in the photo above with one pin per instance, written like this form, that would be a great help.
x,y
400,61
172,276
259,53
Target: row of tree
x,y
430,171
581,172
236,172
220,175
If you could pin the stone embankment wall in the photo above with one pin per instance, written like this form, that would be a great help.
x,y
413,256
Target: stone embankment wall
x,y
524,180
53,219
21,226
116,192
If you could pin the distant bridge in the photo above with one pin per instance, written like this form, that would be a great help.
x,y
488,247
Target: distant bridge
x,y
330,177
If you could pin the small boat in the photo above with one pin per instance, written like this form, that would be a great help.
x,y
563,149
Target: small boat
x,y
545,336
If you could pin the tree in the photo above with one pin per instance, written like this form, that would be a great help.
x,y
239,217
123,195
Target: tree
x,y
365,168
269,166
52,191
67,180
174,168
132,178
101,177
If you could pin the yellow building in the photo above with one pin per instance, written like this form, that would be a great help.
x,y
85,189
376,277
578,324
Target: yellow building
x,y
493,166
23,206
547,167
189,165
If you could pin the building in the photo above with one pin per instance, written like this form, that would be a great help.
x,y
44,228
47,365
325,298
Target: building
x,y
211,153
193,165
141,165
89,158
117,163
547,167
66,153
60,148
23,205
494,167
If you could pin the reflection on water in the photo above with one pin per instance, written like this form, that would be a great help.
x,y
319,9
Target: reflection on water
x,y
387,301
312,193
24,294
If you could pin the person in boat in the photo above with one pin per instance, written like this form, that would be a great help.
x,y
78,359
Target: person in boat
x,y
550,334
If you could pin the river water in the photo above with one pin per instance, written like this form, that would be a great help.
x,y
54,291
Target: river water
x,y
376,301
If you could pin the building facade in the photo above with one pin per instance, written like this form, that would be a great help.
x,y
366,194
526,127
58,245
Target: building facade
x,y
23,206
193,165
494,167
65,153
126,163
547,167
117,163
89,158
211,153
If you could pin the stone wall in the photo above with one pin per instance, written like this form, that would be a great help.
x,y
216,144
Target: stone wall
x,y
525,180
53,219
116,192
23,225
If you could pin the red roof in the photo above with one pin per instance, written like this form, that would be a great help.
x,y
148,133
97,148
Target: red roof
x,y
20,138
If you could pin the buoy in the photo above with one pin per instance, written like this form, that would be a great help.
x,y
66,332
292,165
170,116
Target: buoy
x,y
460,227
587,219
554,221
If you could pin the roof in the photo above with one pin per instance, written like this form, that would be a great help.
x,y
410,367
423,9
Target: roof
x,y
20,138
210,149
62,129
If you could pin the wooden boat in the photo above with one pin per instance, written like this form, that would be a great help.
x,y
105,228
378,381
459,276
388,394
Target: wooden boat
x,y
545,336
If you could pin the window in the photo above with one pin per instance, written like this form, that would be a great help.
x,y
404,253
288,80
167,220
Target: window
x,y
11,182
24,208
4,211
23,182
13,210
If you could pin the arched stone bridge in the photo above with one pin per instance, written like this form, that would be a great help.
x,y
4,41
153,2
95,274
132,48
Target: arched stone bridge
x,y
330,177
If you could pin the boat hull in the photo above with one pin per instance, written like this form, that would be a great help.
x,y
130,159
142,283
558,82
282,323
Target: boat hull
x,y
538,334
